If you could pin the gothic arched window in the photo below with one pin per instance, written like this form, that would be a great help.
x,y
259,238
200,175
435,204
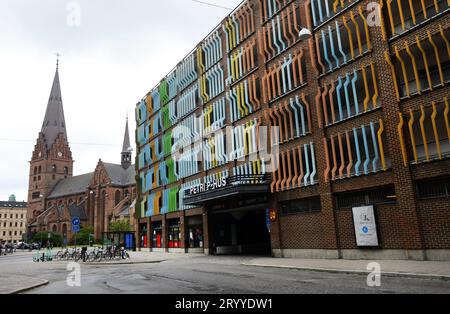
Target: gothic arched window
x,y
66,170
54,168
117,197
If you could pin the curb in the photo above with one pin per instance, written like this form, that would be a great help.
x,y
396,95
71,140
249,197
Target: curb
x,y
358,272
31,287
125,263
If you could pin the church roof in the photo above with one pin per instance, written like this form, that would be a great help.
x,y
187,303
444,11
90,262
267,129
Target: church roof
x,y
77,211
125,211
54,122
71,186
120,176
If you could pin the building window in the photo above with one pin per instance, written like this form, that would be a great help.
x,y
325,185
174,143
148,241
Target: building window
x,y
54,168
35,170
117,197
363,198
195,234
157,235
66,170
439,187
421,66
424,133
174,234
308,205
400,17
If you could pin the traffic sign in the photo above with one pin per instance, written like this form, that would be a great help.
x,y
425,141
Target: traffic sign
x,y
75,221
75,228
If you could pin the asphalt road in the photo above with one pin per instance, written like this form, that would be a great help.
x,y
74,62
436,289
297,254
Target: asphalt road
x,y
206,274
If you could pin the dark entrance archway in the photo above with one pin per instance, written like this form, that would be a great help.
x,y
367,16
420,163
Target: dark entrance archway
x,y
236,213
239,230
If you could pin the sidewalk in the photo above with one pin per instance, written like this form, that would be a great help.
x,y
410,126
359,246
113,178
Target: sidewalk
x,y
12,283
146,258
422,269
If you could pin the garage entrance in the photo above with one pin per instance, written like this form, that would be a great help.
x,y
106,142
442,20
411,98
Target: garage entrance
x,y
239,231
236,214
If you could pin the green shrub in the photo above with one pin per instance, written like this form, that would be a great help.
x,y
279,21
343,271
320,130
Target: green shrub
x,y
42,237
82,237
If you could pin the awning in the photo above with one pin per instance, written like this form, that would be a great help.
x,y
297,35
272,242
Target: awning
x,y
235,186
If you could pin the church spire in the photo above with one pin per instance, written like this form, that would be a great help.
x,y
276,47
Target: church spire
x,y
126,148
54,122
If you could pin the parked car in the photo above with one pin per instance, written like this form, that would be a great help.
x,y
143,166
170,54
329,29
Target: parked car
x,y
23,246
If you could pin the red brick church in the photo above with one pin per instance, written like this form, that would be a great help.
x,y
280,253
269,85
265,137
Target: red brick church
x,y
55,196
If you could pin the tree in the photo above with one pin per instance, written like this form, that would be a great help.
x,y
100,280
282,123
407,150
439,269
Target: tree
x,y
120,226
42,237
83,236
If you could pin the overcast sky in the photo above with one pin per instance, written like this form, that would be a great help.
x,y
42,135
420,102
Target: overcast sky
x,y
112,55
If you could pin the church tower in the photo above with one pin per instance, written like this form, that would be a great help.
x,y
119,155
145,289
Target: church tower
x,y
126,149
52,159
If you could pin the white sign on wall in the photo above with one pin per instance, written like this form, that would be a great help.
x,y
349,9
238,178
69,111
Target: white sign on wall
x,y
365,226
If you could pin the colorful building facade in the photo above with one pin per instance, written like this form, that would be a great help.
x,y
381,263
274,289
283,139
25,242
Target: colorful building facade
x,y
357,118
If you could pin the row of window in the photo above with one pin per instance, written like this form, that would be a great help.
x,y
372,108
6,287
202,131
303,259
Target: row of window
x,y
239,26
426,132
422,65
11,224
324,10
211,83
426,189
343,41
356,152
11,216
244,98
162,202
295,168
209,52
38,170
186,72
350,95
402,15
16,233
269,8
284,77
242,62
280,33
293,117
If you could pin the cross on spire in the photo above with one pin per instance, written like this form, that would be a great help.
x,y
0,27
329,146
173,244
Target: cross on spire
x,y
57,60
